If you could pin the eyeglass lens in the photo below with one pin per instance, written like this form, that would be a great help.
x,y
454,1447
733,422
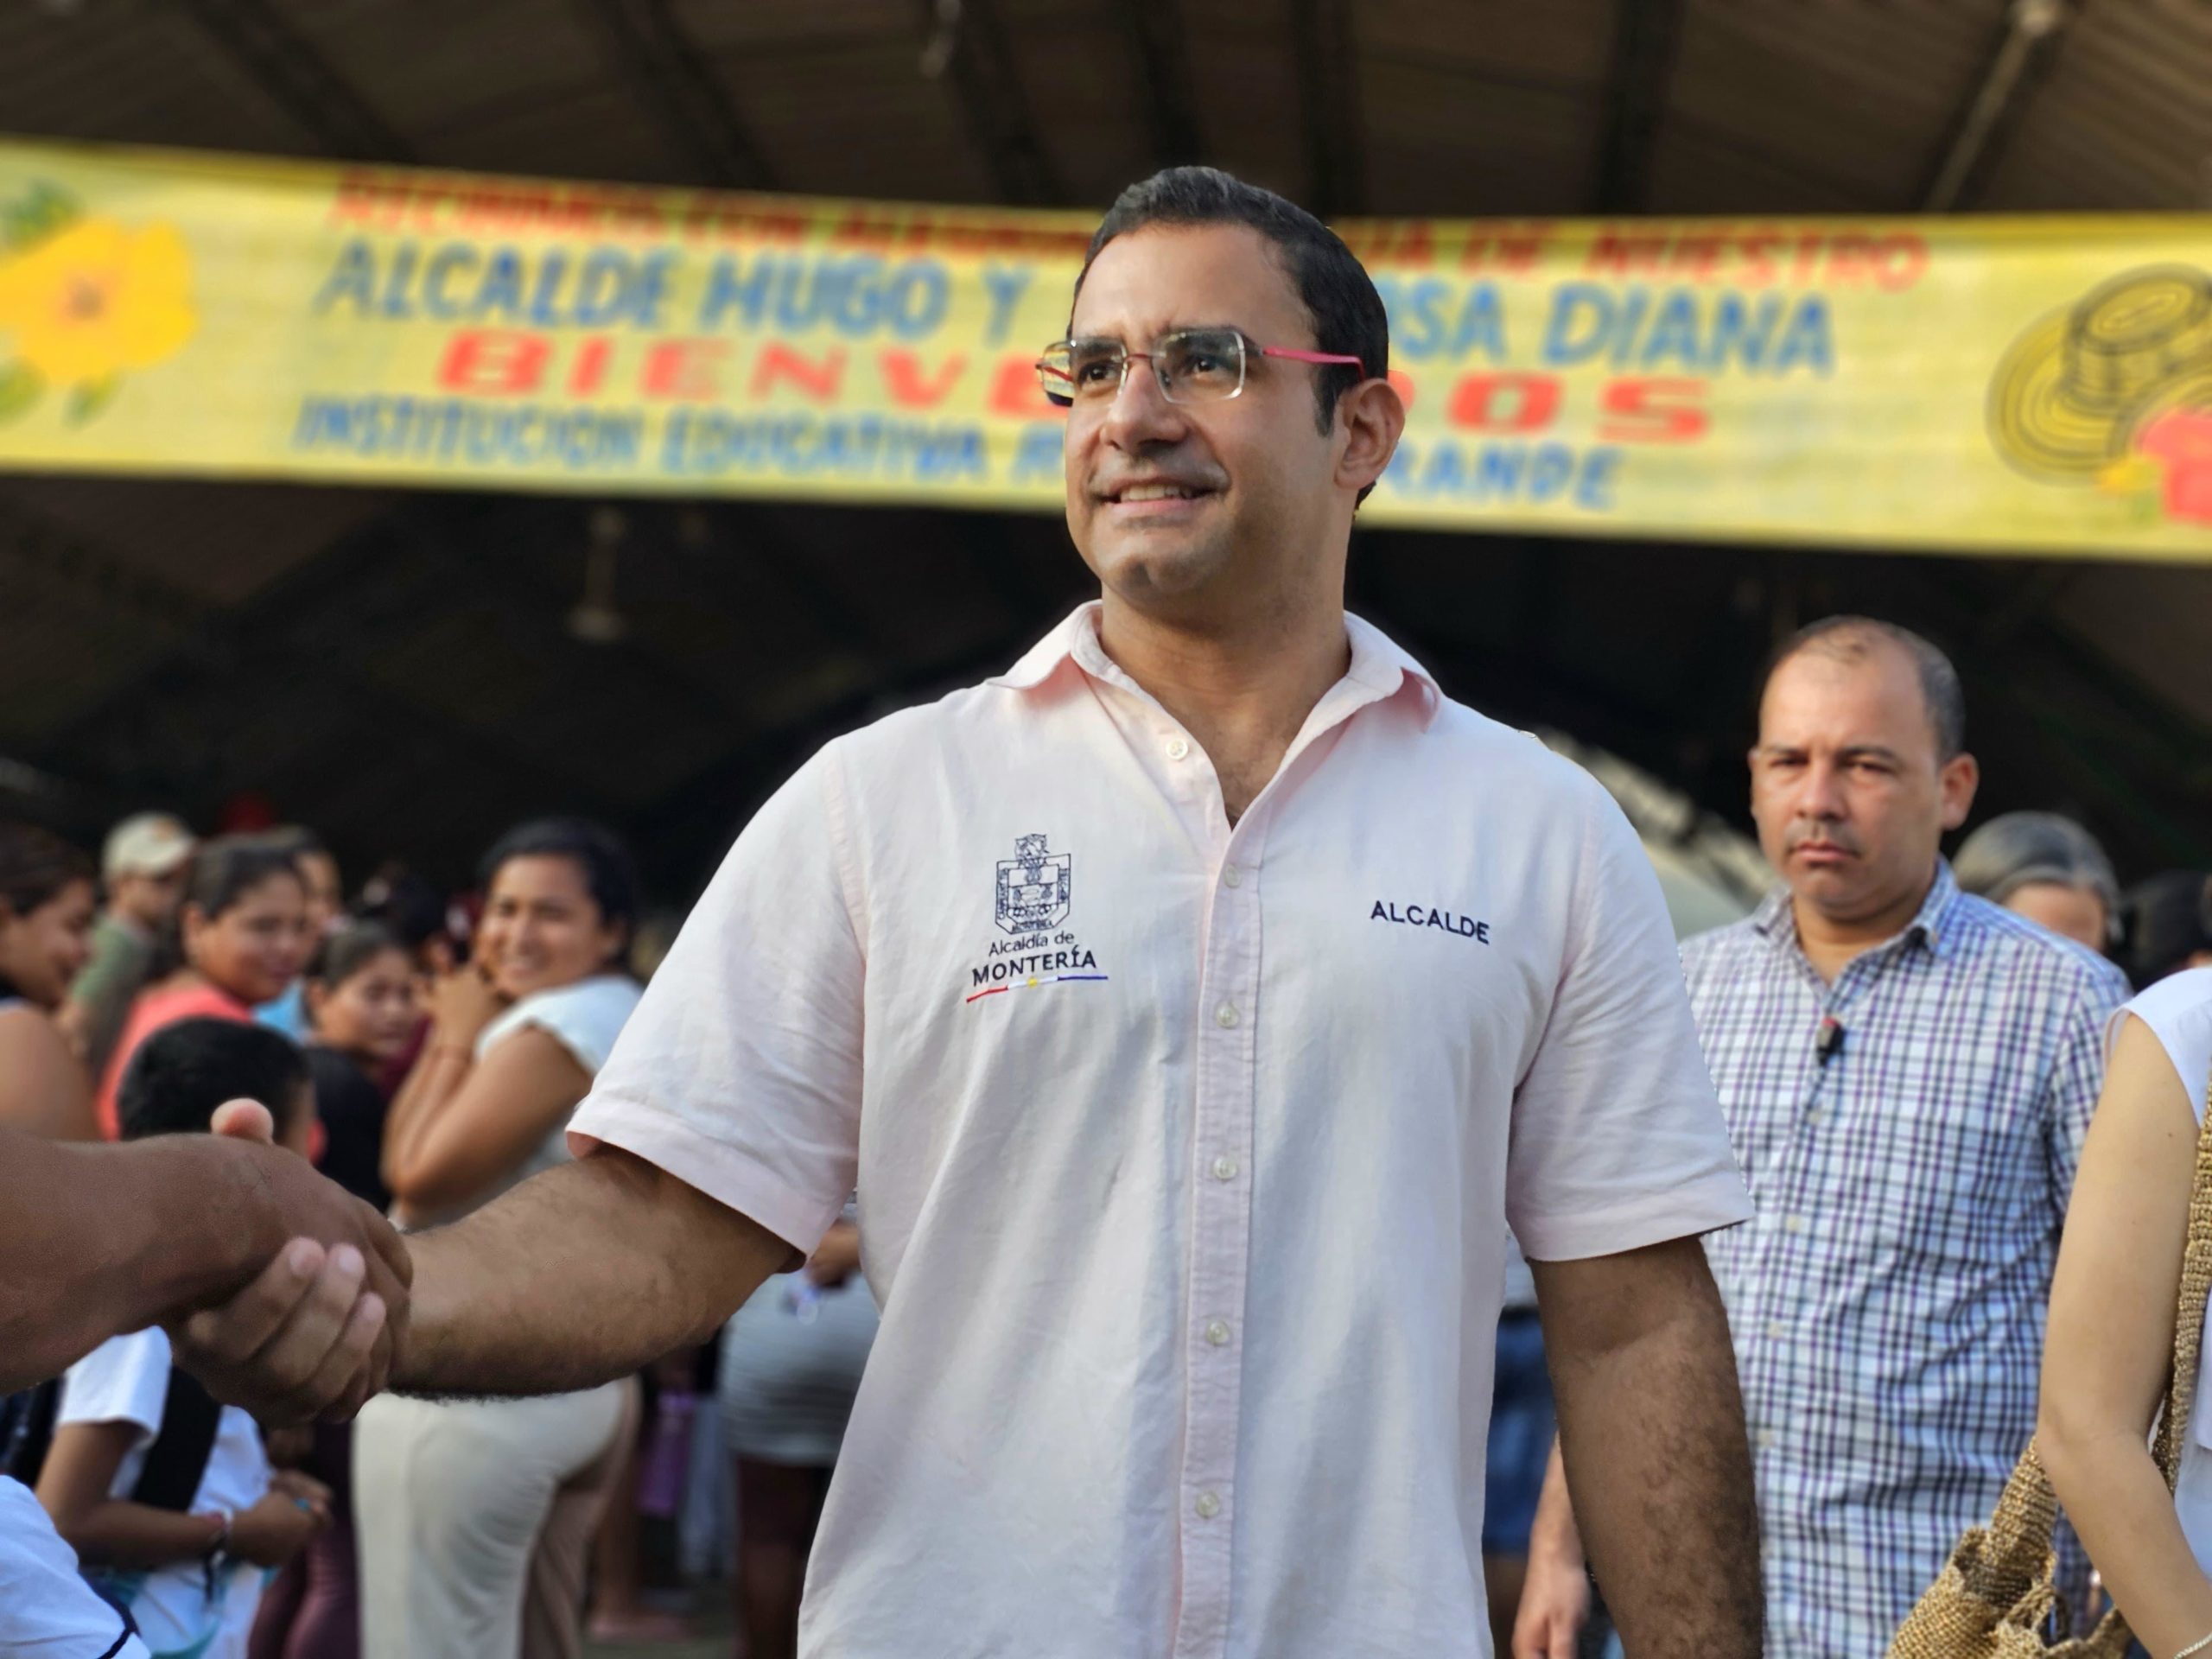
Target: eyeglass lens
x,y
1192,365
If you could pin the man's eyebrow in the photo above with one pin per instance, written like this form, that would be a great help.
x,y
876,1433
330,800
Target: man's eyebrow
x,y
1170,328
1871,752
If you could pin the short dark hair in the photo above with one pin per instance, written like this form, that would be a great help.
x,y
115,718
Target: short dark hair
x,y
1339,297
610,873
408,904
225,870
183,1071
37,866
2164,921
222,872
353,946
1851,637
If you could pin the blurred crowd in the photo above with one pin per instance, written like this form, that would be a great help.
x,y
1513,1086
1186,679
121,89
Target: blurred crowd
x,y
425,1049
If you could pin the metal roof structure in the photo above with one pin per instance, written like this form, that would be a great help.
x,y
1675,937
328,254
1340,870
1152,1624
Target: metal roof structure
x,y
404,670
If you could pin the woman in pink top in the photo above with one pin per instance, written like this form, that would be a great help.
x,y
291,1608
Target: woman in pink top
x,y
242,938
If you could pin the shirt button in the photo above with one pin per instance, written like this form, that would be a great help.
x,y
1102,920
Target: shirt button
x,y
1208,1506
1217,1333
1224,1169
1776,1329
1231,876
1793,1223
1764,1440
1177,748
1225,1015
1813,1114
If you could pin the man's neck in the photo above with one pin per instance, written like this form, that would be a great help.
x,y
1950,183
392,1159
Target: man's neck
x,y
1831,943
1242,690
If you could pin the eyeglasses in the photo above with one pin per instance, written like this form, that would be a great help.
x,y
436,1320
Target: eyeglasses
x,y
1192,365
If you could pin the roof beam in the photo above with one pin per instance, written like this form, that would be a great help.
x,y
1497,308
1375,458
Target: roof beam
x,y
968,45
2019,57
1162,51
1646,38
672,79
299,79
1328,91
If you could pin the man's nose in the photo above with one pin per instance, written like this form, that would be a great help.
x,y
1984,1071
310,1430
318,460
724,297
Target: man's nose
x,y
1140,413
1820,792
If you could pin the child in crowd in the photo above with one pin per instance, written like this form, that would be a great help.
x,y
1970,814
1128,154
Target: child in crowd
x,y
362,1008
167,1498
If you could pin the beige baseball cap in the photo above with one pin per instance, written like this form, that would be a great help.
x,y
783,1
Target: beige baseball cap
x,y
152,844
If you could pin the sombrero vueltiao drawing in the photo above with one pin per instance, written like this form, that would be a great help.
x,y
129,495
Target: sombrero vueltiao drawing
x,y
2117,381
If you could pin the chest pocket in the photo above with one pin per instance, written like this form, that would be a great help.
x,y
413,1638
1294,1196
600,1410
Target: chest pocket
x,y
1942,1127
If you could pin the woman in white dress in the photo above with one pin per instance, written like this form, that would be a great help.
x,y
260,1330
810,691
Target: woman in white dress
x,y
2112,1324
475,1518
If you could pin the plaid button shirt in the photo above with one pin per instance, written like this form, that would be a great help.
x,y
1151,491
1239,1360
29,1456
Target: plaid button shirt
x,y
1888,1302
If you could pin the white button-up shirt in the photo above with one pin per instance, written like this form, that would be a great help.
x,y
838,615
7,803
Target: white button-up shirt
x,y
1186,1151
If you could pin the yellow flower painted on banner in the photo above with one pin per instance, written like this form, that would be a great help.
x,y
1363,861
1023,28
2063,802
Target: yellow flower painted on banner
x,y
95,299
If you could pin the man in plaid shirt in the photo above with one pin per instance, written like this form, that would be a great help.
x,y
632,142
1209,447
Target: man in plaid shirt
x,y
1908,1072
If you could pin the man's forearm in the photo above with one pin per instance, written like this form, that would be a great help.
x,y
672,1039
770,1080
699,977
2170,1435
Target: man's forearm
x,y
97,1240
583,1275
1652,1426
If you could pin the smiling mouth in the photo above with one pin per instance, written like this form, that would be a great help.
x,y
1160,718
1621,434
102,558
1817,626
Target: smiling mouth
x,y
1135,495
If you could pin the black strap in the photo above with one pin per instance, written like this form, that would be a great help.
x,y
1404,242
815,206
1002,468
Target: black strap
x,y
178,1458
129,1625
27,1430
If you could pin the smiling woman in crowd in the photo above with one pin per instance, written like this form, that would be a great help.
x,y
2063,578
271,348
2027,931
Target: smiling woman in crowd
x,y
475,1518
45,918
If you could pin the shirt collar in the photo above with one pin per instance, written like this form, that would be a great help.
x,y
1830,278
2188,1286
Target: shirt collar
x,y
1378,663
1930,923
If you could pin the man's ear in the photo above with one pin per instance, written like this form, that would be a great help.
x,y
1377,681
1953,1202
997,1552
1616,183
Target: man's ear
x,y
1959,779
1373,416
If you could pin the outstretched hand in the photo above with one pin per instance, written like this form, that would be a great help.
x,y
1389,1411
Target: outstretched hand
x,y
314,1333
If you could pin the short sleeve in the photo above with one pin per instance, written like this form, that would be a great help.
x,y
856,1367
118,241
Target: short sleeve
x,y
2077,1074
1617,1139
2178,1011
584,1019
124,1380
740,1073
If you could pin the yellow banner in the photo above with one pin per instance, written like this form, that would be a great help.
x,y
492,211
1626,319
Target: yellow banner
x,y
1985,385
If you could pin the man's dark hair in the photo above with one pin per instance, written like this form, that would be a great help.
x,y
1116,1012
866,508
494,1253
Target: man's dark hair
x,y
182,1072
1339,295
1850,638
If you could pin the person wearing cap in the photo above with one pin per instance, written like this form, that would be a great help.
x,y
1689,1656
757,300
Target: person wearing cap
x,y
2047,868
142,868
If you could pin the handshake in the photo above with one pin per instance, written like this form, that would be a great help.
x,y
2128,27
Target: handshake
x,y
320,1327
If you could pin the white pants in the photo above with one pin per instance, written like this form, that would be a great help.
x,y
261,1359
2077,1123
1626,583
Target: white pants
x,y
466,1509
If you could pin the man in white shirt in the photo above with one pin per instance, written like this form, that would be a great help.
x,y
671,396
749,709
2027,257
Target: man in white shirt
x,y
1192,1006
